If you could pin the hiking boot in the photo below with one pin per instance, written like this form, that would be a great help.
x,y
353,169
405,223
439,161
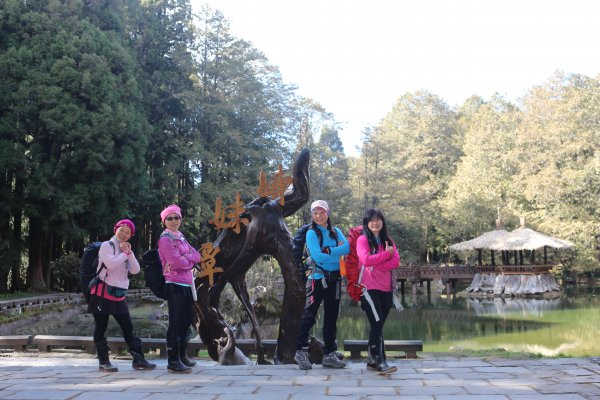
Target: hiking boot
x,y
183,356
103,357
174,363
372,354
137,352
383,368
339,355
331,361
302,360
107,367
140,363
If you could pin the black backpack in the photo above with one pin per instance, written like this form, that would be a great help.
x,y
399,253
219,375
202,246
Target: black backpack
x,y
300,250
88,267
153,273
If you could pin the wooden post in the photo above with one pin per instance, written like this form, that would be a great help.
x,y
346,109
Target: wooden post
x,y
520,257
545,256
493,261
479,260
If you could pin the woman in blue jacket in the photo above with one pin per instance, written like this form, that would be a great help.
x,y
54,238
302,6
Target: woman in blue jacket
x,y
326,245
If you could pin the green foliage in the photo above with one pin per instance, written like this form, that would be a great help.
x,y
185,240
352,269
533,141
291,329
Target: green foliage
x,y
116,109
65,271
443,176
407,161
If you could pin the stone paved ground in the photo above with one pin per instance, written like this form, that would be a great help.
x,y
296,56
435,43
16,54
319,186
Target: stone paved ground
x,y
75,376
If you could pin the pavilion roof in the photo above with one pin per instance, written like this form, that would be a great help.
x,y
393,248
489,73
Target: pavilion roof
x,y
522,238
485,241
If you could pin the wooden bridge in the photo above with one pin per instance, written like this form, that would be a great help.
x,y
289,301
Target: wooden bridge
x,y
449,274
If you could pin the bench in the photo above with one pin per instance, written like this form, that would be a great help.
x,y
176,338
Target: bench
x,y
248,346
410,347
19,342
117,345
47,342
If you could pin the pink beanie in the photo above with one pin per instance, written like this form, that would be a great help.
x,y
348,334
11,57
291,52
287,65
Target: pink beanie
x,y
320,204
126,222
172,209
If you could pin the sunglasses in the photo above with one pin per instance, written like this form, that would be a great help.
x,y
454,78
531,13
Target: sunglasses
x,y
175,218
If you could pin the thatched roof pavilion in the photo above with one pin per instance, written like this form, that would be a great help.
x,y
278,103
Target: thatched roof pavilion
x,y
518,281
486,241
522,238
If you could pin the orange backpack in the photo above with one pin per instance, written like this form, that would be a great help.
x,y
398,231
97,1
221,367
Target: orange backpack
x,y
353,265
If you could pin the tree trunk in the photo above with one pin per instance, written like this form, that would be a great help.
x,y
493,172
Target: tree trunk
x,y
49,252
17,235
16,283
35,274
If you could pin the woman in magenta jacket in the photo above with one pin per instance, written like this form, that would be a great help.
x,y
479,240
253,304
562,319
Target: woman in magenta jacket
x,y
178,259
378,256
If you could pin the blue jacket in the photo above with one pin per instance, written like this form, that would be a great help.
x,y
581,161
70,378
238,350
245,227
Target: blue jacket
x,y
328,262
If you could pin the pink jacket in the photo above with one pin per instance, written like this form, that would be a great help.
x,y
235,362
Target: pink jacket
x,y
178,258
377,273
118,264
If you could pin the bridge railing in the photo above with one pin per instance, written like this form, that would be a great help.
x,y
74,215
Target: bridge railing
x,y
432,271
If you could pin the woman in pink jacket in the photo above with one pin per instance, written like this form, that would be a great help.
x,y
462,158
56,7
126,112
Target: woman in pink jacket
x,y
115,262
378,256
178,259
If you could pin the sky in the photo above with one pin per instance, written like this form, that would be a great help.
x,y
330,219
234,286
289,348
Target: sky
x,y
357,58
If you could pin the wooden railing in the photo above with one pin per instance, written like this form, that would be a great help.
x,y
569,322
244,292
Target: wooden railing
x,y
27,303
417,272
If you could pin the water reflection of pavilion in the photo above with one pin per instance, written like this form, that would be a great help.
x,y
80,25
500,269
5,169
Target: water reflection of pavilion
x,y
504,306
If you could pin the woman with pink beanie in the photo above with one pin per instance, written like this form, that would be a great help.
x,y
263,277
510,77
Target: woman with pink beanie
x,y
178,259
115,262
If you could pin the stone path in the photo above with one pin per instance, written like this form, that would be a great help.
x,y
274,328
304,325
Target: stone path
x,y
74,376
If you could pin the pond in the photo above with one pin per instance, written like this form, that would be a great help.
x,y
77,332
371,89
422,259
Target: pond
x,y
567,326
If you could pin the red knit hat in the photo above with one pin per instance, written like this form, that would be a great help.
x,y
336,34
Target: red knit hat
x,y
125,222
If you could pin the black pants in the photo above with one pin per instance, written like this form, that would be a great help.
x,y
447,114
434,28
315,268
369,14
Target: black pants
x,y
124,321
180,300
331,309
383,303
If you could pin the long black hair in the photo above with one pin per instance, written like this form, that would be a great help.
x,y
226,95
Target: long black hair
x,y
383,235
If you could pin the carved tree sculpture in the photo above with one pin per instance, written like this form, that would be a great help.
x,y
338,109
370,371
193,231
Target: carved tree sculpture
x,y
266,233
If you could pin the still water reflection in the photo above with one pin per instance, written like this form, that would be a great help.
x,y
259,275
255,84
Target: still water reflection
x,y
566,326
